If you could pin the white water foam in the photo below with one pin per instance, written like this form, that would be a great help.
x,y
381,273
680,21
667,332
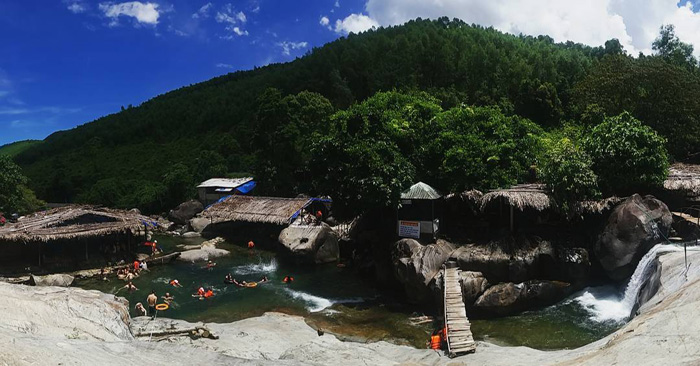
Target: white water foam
x,y
316,303
607,304
254,268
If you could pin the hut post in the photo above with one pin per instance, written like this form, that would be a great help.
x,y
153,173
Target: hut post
x,y
511,218
432,216
40,248
86,250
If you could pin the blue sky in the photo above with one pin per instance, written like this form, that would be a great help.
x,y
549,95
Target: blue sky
x,y
64,63
68,62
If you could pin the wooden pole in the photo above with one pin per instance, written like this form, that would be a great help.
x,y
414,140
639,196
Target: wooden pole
x,y
86,251
511,218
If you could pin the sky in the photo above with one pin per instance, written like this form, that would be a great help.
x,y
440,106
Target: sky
x,y
67,62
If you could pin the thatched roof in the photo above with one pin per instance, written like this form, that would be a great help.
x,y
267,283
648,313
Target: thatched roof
x,y
596,206
535,196
70,222
224,182
420,191
274,210
684,178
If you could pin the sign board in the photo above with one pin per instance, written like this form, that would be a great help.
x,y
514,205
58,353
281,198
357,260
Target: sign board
x,y
409,229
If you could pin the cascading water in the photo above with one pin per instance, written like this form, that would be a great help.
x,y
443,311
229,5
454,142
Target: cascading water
x,y
605,303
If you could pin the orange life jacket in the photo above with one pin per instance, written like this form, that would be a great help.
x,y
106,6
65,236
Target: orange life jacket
x,y
251,245
200,292
288,279
435,341
136,264
209,293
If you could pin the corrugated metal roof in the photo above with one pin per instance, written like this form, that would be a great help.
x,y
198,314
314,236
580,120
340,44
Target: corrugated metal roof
x,y
224,182
420,191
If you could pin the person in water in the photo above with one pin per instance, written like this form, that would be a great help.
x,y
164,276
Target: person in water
x,y
288,279
175,283
210,264
152,299
264,279
168,298
200,292
140,310
209,293
251,245
229,279
130,287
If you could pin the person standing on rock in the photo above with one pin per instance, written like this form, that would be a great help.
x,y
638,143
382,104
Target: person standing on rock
x,y
152,299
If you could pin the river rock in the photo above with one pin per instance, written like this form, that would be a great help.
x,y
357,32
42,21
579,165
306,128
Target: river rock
x,y
510,298
473,285
203,254
528,261
185,211
310,243
191,234
61,280
632,229
575,265
416,265
198,224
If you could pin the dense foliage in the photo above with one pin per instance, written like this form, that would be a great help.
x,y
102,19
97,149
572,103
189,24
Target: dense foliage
x,y
465,109
627,155
15,197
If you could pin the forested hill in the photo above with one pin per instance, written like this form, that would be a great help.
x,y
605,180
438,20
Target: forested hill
x,y
150,155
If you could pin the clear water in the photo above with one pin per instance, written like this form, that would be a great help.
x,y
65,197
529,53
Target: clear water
x,y
341,302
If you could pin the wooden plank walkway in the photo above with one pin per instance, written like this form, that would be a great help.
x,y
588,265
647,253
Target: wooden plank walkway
x,y
459,335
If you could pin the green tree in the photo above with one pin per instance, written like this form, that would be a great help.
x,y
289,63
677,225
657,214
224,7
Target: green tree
x,y
627,155
670,48
11,181
567,170
179,185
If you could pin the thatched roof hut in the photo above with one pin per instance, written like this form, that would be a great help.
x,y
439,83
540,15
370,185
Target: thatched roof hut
x,y
684,178
274,210
73,221
522,196
598,207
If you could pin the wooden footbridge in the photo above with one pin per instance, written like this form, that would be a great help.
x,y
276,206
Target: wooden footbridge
x,y
459,335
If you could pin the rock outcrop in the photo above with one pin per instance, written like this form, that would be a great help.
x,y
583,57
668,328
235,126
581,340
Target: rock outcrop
x,y
182,214
310,243
198,224
510,298
632,229
206,251
415,266
473,285
60,280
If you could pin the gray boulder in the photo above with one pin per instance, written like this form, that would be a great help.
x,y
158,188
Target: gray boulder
x,y
198,224
416,265
206,251
510,298
473,285
311,243
636,225
61,280
182,214
191,234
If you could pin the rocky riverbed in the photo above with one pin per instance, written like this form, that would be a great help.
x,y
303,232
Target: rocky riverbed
x,y
70,326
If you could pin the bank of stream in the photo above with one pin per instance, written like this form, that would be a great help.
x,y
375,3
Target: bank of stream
x,y
338,301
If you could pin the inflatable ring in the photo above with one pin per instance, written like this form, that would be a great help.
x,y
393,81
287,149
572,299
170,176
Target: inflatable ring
x,y
161,307
251,284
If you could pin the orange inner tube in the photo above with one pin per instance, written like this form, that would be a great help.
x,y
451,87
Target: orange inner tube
x,y
251,284
162,307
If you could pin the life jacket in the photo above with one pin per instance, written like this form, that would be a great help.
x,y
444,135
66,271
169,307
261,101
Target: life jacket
x,y
288,279
444,333
200,292
174,282
319,214
136,264
209,293
435,341
251,245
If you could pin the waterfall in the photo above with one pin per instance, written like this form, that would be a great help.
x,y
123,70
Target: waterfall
x,y
642,273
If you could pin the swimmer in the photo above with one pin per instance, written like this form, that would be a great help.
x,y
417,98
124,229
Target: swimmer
x,y
175,283
210,264
228,279
264,279
140,310
209,293
168,298
103,274
288,279
200,292
129,286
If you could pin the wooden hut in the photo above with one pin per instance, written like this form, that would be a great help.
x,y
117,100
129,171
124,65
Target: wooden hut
x,y
521,197
420,211
271,210
682,186
66,236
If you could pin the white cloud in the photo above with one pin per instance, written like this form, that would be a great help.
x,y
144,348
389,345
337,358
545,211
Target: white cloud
x,y
287,47
224,18
224,66
240,32
240,16
203,12
76,7
337,3
355,23
324,21
634,22
146,13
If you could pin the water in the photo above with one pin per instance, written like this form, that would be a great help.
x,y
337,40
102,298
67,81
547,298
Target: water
x,y
339,301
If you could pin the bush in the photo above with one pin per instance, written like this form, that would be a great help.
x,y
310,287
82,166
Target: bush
x,y
567,170
627,155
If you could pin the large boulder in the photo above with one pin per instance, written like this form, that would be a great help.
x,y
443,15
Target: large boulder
x,y
510,298
205,252
473,285
636,225
61,280
198,224
529,260
311,243
182,214
416,266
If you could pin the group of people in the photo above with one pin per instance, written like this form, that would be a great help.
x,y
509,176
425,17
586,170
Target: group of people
x,y
204,293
